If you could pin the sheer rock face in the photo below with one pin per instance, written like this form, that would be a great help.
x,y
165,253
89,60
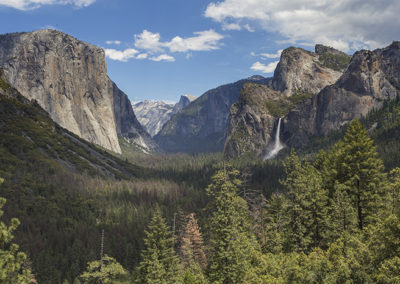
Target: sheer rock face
x,y
251,125
201,126
300,74
68,78
154,114
302,70
371,78
127,124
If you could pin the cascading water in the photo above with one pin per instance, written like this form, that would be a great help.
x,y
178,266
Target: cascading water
x,y
277,145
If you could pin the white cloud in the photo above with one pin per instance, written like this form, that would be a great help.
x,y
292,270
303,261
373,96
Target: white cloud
x,y
122,56
272,55
258,66
202,41
116,42
34,4
231,27
149,46
248,28
342,23
163,57
148,41
142,56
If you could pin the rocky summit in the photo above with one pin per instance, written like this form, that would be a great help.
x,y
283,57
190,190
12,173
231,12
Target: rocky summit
x,y
371,78
68,78
315,94
154,114
299,76
201,126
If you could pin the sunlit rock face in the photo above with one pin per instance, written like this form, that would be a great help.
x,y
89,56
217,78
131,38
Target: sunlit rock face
x,y
68,78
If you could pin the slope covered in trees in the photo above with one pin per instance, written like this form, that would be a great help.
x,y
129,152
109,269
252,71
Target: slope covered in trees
x,y
333,218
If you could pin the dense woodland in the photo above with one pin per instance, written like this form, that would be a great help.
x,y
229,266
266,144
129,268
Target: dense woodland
x,y
327,217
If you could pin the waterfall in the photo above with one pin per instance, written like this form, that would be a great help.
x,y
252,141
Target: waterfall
x,y
277,144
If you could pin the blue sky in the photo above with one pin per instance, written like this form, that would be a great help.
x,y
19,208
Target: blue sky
x,y
161,49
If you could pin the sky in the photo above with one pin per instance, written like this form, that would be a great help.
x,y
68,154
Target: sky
x,y
162,49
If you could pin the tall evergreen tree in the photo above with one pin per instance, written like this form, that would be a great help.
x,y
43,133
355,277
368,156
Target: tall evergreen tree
x,y
159,262
192,247
274,219
356,166
394,191
306,207
12,262
231,243
106,270
192,252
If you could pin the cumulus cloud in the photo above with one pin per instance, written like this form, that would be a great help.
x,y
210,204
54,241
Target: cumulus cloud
x,y
344,24
116,42
142,56
201,41
148,41
269,68
122,56
149,46
163,57
231,27
272,55
33,4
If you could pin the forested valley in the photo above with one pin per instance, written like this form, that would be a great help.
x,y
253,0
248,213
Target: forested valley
x,y
327,217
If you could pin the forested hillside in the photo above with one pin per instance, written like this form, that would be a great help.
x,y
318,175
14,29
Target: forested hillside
x,y
333,218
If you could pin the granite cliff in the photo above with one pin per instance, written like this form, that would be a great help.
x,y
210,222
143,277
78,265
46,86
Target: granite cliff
x,y
154,114
371,78
68,78
201,126
300,75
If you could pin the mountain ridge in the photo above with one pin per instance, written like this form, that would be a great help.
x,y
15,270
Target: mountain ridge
x,y
154,114
68,78
201,126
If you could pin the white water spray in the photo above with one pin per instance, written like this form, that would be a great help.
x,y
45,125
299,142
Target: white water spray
x,y
277,145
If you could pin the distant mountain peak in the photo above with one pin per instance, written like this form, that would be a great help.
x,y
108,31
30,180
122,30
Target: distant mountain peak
x,y
256,78
154,114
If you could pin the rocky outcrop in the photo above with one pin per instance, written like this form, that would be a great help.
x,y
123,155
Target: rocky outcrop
x,y
201,126
251,123
127,125
299,76
371,78
308,72
68,78
154,114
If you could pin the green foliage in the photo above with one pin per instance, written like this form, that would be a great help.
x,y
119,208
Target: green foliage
x,y
359,172
338,62
106,270
12,263
282,106
231,244
307,204
159,263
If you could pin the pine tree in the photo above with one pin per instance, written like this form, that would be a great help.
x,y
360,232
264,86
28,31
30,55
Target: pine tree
x,y
343,216
231,243
274,220
394,191
356,166
192,252
306,207
192,247
12,262
106,270
159,263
